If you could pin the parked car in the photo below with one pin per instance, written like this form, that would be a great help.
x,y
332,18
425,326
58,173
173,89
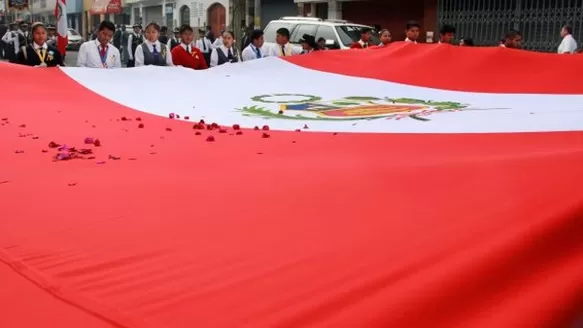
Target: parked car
x,y
339,34
75,39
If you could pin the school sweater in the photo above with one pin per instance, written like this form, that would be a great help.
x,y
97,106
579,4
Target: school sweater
x,y
194,59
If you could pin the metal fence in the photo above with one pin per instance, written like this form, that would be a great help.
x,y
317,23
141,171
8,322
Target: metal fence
x,y
539,21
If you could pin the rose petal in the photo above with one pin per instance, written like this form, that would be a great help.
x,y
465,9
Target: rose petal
x,y
265,135
210,138
280,112
141,126
222,131
236,127
265,128
306,126
239,133
115,158
186,117
256,128
138,118
22,126
177,116
97,143
171,115
53,144
298,130
168,129
201,121
197,133
89,140
123,118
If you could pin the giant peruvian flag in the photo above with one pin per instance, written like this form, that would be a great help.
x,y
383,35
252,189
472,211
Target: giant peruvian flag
x,y
62,34
408,186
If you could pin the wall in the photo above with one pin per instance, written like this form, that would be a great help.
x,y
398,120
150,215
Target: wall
x,y
196,14
393,14
74,6
274,9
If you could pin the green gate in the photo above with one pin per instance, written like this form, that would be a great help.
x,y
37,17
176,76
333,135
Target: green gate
x,y
539,21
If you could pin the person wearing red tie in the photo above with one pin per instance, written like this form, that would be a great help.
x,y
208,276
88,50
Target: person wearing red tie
x,y
187,54
100,53
365,37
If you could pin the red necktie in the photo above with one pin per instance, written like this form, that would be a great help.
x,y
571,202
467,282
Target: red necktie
x,y
103,51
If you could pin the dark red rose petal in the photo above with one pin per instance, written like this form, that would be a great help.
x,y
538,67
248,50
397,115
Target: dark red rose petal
x,y
19,151
72,184
209,127
115,158
306,126
85,151
222,131
298,130
102,162
138,118
22,126
201,121
171,115
89,140
210,138
239,133
53,144
97,143
265,135
168,129
265,128
141,126
256,128
34,138
197,133
5,119
123,118
187,117
335,133
236,127
177,116
44,151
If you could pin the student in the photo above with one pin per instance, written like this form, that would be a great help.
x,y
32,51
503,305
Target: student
x,y
322,43
255,49
100,53
152,52
226,53
204,45
412,30
38,53
283,48
163,38
52,35
446,34
385,37
187,55
568,44
365,37
12,40
309,44
134,40
513,40
467,42
174,41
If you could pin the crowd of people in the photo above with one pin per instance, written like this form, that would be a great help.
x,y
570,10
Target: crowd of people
x,y
112,46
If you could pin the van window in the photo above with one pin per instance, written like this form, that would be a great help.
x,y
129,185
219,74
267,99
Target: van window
x,y
271,29
301,30
326,32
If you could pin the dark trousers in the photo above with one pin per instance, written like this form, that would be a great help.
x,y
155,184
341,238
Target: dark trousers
x,y
131,63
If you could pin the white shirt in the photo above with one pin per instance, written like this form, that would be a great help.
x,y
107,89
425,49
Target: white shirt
x,y
277,50
204,45
218,42
139,55
130,39
215,55
408,40
568,45
250,53
12,37
89,56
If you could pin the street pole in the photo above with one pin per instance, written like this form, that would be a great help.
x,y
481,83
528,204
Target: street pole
x,y
257,20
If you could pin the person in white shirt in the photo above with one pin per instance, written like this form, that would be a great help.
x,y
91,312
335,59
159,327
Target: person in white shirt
x,y
100,53
226,53
255,49
568,44
205,46
412,30
152,52
134,40
282,47
12,38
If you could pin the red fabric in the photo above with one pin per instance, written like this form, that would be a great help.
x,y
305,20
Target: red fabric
x,y
194,60
356,45
301,229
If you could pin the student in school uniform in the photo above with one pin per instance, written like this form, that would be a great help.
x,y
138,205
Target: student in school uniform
x,y
226,53
38,53
174,41
187,55
100,53
309,44
134,40
255,49
12,42
365,37
385,38
412,30
205,46
152,51
283,48
52,35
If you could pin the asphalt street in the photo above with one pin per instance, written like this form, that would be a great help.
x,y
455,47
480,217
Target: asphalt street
x,y
71,58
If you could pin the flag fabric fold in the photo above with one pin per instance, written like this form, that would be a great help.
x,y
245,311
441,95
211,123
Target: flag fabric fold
x,y
389,194
62,27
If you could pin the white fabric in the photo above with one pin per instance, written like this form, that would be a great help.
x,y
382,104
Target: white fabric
x,y
36,46
568,45
484,112
408,40
139,55
249,53
12,38
88,55
218,42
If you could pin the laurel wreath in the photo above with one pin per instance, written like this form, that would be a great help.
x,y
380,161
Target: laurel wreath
x,y
309,98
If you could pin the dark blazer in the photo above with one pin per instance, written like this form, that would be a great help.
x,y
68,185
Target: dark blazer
x,y
28,56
